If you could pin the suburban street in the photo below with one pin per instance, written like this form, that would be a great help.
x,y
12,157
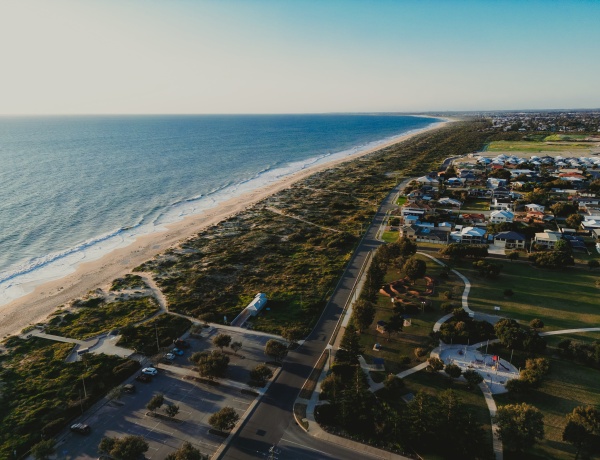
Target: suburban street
x,y
272,422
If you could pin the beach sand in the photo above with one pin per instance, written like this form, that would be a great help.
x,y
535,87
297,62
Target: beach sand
x,y
45,298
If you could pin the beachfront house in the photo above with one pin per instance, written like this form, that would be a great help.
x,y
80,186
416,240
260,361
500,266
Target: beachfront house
x,y
547,239
469,235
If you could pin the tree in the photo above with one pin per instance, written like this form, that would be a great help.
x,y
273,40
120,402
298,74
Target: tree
x,y
563,209
414,268
394,325
363,314
222,341
435,364
260,374
574,220
512,256
276,350
186,452
349,346
43,449
156,402
562,246
472,377
583,430
453,371
393,383
519,426
510,333
172,410
292,334
224,420
236,346
536,324
126,448
210,364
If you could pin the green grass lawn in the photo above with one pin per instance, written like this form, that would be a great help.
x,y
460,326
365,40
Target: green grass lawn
x,y
535,147
473,204
390,237
401,200
567,386
562,299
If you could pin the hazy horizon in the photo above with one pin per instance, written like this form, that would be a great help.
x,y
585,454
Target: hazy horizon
x,y
262,57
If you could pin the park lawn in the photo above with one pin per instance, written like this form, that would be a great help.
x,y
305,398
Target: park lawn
x,y
476,204
390,237
562,299
536,147
394,348
401,200
567,386
435,383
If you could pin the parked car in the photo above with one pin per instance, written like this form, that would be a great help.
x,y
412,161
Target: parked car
x,y
177,351
81,428
144,378
181,343
149,371
170,356
129,388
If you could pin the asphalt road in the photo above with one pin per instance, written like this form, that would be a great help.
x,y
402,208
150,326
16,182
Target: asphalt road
x,y
272,422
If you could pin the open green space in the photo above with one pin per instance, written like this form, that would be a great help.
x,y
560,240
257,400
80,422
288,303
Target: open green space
x,y
567,386
476,204
563,299
390,237
536,147
401,200
398,350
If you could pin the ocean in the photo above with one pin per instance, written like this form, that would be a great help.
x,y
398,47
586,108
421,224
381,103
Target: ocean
x,y
75,188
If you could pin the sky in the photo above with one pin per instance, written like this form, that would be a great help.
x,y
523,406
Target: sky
x,y
301,56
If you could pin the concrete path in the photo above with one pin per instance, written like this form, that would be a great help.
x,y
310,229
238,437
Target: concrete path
x,y
571,331
491,404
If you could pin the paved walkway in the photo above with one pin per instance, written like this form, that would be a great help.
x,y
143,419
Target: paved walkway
x,y
491,404
571,331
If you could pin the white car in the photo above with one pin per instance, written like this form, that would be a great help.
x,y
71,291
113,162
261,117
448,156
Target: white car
x,y
170,356
149,371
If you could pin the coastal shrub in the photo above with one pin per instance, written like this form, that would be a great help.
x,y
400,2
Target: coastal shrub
x,y
142,338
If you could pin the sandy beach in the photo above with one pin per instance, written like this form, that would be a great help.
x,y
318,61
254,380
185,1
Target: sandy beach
x,y
37,305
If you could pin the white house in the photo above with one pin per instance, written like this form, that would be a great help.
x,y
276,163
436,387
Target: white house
x,y
449,202
548,238
497,217
471,235
257,304
535,207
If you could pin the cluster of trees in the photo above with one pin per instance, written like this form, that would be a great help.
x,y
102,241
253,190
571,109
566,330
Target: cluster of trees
x,y
210,364
519,426
531,376
559,257
260,375
463,329
487,269
458,251
586,353
513,336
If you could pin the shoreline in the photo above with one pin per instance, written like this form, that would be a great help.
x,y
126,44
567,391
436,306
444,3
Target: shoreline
x,y
35,306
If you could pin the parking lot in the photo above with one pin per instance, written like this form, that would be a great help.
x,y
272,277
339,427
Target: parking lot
x,y
197,402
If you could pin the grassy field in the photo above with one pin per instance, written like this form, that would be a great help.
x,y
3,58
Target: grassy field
x,y
537,147
390,237
567,386
414,336
401,200
476,204
436,383
562,299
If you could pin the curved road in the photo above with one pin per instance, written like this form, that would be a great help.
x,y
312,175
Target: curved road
x,y
272,421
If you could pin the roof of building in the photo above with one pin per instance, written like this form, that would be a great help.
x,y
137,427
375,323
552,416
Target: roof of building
x,y
510,235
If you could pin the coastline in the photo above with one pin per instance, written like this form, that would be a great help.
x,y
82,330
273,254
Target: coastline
x,y
45,298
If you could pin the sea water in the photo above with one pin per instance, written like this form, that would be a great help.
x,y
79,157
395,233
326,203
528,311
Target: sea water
x,y
74,188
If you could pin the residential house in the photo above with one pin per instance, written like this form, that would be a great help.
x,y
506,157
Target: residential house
x,y
509,240
548,238
534,207
411,208
469,235
473,219
502,203
449,202
497,217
